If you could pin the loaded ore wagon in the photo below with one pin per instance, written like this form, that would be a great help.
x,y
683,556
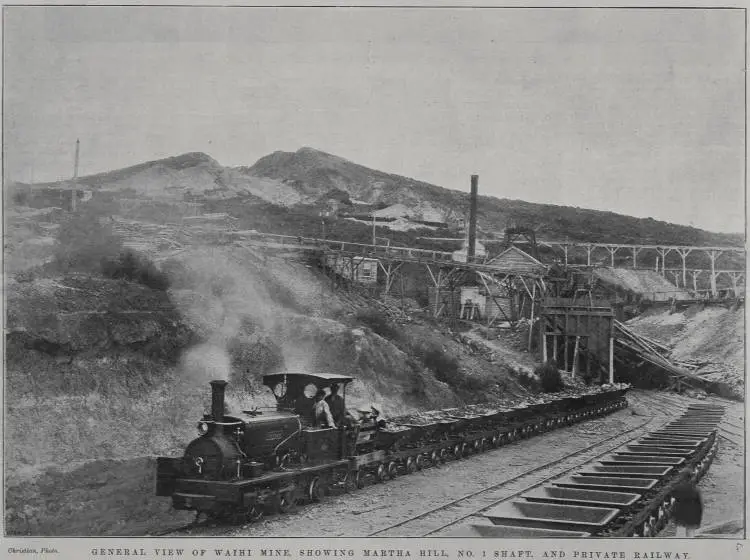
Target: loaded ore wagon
x,y
252,462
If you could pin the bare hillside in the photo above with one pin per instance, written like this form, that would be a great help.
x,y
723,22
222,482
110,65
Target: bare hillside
x,y
314,171
709,340
308,177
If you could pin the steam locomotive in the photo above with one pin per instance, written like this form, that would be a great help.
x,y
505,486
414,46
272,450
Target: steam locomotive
x,y
242,466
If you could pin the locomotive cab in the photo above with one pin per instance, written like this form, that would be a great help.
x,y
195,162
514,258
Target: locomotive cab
x,y
234,452
295,393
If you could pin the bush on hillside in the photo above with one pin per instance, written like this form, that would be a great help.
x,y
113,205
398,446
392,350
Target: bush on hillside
x,y
83,241
549,377
444,366
379,323
128,265
415,372
529,381
476,386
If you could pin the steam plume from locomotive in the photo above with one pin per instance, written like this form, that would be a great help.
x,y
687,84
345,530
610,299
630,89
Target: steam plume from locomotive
x,y
221,300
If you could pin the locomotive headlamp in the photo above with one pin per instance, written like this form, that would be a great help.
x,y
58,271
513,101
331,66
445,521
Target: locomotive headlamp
x,y
202,428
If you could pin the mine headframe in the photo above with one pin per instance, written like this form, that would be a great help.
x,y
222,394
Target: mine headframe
x,y
522,235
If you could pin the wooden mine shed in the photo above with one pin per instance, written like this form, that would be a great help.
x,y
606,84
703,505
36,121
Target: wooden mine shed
x,y
509,301
578,336
363,270
503,293
519,261
453,303
504,303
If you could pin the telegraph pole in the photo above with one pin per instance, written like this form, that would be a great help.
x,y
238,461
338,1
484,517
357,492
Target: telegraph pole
x,y
75,176
373,228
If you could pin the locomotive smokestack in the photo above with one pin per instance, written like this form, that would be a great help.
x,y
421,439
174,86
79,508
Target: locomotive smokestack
x,y
472,219
217,400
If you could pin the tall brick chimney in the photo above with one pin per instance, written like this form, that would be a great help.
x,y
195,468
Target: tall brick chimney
x,y
470,250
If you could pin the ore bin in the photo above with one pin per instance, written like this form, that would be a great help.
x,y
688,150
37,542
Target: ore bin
x,y
678,442
578,496
511,532
628,471
607,483
690,434
658,450
552,516
633,459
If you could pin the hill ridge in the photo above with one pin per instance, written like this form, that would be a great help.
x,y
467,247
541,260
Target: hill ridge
x,y
306,178
311,169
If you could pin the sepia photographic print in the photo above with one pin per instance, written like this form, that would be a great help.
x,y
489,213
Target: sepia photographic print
x,y
374,281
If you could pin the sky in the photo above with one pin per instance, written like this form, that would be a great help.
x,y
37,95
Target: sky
x,y
640,112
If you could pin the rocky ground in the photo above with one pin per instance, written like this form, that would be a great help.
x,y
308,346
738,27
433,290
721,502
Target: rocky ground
x,y
709,341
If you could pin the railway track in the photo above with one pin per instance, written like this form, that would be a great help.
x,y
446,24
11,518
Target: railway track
x,y
473,504
728,431
463,510
190,527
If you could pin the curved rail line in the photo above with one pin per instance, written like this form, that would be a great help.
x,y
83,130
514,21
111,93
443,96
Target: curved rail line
x,y
474,511
736,438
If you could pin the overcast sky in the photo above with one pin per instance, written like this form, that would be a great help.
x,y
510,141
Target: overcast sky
x,y
635,111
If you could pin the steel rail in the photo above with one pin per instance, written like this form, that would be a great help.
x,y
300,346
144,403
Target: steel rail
x,y
722,431
194,525
510,480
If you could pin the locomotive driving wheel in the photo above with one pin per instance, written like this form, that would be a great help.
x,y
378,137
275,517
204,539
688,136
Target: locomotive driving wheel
x,y
381,473
419,462
254,513
315,489
359,478
285,501
349,481
393,469
457,450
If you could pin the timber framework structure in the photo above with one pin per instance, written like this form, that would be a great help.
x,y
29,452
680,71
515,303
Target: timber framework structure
x,y
578,336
